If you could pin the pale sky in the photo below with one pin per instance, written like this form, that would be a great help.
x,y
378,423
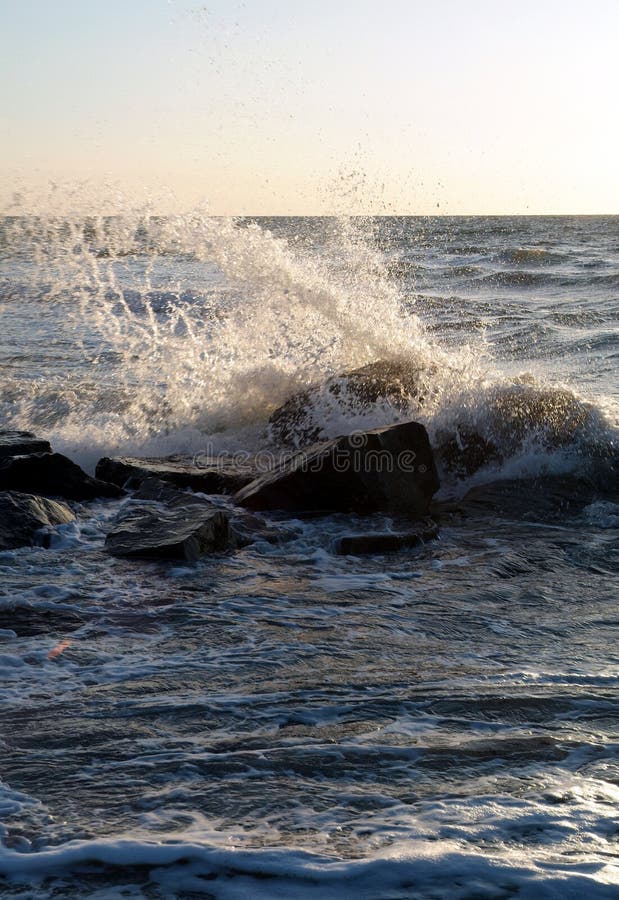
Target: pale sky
x,y
316,106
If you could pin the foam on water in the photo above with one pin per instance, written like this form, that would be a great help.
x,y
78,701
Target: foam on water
x,y
187,331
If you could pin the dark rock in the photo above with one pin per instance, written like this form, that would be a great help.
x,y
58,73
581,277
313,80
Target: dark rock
x,y
521,410
466,453
200,473
548,498
389,469
17,443
361,544
247,528
163,523
400,383
52,475
22,515
28,621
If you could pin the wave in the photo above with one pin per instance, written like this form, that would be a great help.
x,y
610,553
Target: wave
x,y
223,323
531,256
408,869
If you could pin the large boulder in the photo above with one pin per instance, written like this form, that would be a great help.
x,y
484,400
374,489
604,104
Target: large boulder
x,y
17,443
399,383
160,522
23,515
389,469
519,415
52,475
209,475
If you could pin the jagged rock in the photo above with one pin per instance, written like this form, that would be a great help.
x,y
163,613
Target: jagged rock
x,y
205,474
22,515
401,383
163,523
52,475
375,542
17,443
389,469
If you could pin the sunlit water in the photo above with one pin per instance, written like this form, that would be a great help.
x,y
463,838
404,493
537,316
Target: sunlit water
x,y
284,722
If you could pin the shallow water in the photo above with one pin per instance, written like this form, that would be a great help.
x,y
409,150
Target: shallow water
x,y
286,722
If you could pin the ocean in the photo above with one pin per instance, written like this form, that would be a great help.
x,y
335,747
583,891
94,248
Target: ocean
x,y
285,722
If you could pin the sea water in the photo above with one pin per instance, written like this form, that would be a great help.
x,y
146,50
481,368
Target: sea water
x,y
285,722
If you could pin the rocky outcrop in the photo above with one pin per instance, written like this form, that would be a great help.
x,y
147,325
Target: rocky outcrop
x,y
18,443
399,383
159,522
52,475
205,474
389,469
386,542
23,515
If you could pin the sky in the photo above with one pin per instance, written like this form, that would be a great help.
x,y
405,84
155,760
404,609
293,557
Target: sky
x,y
288,107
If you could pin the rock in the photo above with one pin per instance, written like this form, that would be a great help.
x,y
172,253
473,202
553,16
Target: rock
x,y
22,515
466,452
400,383
517,414
17,443
200,473
522,410
361,544
548,498
162,523
247,528
389,469
29,621
52,474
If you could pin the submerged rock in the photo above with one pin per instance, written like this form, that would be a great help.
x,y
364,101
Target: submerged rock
x,y
376,542
29,621
162,523
52,475
389,469
547,498
400,383
17,443
206,474
23,515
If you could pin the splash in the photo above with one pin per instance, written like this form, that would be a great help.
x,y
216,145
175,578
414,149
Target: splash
x,y
144,333
194,322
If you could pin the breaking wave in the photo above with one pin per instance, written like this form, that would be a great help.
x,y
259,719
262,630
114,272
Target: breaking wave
x,y
148,334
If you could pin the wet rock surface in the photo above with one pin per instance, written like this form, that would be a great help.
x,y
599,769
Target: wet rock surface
x,y
547,498
23,515
401,384
52,475
27,621
389,469
205,474
159,522
18,443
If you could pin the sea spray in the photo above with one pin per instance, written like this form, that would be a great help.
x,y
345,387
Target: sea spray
x,y
164,333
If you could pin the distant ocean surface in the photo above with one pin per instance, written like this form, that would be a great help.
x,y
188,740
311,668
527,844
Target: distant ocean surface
x,y
286,722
